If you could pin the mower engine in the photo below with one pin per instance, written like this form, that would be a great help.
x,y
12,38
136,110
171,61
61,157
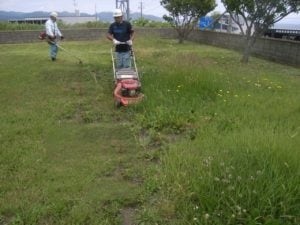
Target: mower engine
x,y
130,87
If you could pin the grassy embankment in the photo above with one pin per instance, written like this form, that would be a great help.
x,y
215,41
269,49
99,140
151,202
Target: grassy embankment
x,y
214,142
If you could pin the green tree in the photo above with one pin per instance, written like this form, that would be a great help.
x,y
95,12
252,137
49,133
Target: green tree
x,y
258,16
184,14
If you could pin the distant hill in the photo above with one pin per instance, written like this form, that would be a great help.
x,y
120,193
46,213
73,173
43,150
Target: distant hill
x,y
4,15
103,16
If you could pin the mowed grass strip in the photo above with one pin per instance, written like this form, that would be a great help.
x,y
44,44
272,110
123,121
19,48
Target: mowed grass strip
x,y
67,156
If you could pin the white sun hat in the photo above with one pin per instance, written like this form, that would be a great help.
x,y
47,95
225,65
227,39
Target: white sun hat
x,y
117,13
54,14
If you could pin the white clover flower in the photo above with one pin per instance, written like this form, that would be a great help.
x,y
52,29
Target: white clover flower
x,y
231,188
217,179
206,216
238,208
225,181
257,84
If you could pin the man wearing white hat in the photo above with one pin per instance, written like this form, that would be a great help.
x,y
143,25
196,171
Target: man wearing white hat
x,y
52,32
121,34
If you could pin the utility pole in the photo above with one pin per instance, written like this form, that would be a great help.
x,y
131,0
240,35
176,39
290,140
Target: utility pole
x,y
96,15
124,6
77,13
141,8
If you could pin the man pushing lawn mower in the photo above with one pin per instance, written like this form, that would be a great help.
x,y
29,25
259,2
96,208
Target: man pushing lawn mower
x,y
122,34
52,32
127,82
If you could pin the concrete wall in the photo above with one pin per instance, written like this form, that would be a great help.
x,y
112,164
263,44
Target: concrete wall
x,y
284,51
13,37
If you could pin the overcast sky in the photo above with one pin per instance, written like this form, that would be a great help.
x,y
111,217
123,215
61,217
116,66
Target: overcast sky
x,y
152,7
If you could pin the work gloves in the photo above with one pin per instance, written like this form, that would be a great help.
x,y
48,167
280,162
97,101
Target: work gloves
x,y
116,42
129,42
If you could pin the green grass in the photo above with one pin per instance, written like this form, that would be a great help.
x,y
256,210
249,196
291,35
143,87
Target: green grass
x,y
67,156
214,142
227,135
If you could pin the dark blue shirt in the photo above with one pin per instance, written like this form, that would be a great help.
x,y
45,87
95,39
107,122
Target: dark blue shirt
x,y
121,32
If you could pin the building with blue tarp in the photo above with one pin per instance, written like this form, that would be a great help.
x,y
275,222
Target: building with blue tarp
x,y
206,22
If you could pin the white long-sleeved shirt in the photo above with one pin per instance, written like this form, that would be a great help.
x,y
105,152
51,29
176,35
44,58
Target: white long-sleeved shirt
x,y
52,29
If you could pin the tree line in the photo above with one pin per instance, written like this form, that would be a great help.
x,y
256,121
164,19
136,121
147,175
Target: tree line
x,y
257,16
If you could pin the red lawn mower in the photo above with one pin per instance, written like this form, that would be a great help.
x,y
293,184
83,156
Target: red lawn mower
x,y
127,83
